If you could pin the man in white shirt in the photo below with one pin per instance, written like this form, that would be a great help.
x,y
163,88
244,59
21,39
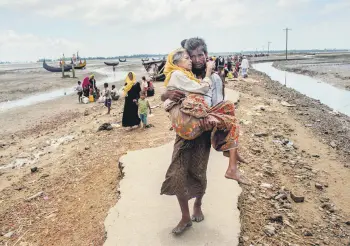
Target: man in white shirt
x,y
245,67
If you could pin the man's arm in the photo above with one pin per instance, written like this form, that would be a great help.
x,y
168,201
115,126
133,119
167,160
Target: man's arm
x,y
172,95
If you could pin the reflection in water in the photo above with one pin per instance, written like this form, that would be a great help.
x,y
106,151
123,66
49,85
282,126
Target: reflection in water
x,y
334,97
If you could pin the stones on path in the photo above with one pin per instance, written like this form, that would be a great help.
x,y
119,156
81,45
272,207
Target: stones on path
x,y
297,199
333,145
266,186
9,234
276,218
34,169
286,104
105,127
270,230
307,233
34,196
261,134
319,186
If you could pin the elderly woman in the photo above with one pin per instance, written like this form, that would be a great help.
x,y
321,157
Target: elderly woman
x,y
132,94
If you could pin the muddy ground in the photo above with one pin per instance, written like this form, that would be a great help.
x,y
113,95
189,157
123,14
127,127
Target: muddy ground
x,y
298,164
302,149
330,68
19,81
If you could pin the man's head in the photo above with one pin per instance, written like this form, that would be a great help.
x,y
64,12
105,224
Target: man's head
x,y
143,78
79,82
197,49
105,85
113,87
183,42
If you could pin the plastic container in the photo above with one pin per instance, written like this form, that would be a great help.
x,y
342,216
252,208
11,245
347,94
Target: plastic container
x,y
91,98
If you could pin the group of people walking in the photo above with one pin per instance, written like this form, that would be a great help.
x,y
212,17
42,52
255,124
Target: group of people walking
x,y
231,66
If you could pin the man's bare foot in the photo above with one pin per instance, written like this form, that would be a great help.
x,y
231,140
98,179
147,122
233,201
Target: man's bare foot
x,y
235,175
198,215
182,226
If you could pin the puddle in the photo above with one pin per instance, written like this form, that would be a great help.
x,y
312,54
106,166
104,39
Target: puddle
x,y
337,99
31,158
42,97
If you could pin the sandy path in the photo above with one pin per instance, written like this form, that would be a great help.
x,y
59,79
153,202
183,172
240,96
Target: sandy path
x,y
143,217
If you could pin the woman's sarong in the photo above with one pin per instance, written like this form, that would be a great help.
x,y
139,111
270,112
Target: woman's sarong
x,y
186,115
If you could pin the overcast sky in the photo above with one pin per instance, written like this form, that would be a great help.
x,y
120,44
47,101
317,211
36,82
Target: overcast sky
x,y
33,29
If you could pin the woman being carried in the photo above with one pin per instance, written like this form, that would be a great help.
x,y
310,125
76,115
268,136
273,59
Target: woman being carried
x,y
185,115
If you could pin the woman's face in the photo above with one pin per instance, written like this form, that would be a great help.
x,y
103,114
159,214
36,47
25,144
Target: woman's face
x,y
185,62
130,76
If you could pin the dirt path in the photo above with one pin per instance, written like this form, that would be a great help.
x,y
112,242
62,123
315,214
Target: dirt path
x,y
77,172
287,157
150,217
302,149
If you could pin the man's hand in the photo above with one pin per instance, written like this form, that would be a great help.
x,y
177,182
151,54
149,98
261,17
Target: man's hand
x,y
173,95
206,124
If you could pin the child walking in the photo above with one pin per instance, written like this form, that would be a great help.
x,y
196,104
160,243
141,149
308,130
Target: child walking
x,y
144,106
108,97
79,90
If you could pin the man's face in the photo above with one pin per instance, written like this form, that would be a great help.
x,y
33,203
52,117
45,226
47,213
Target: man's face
x,y
199,58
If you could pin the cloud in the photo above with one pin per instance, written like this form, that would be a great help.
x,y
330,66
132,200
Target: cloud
x,y
292,3
222,13
25,46
336,6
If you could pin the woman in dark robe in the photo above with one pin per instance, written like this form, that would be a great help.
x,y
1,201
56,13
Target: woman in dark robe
x,y
132,94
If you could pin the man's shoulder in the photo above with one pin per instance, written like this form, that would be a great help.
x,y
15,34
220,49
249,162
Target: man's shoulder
x,y
215,77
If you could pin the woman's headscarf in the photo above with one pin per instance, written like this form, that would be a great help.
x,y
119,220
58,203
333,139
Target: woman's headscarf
x,y
129,82
170,67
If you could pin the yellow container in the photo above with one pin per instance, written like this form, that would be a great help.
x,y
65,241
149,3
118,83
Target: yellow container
x,y
91,98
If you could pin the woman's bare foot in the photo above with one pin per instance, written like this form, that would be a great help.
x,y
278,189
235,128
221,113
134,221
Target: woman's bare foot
x,y
235,175
182,226
198,215
239,158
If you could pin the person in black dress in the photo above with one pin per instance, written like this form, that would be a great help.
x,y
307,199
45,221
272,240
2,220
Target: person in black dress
x,y
132,90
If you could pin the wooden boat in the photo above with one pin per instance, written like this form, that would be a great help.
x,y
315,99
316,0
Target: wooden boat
x,y
156,59
145,59
80,65
155,69
112,63
122,60
160,77
56,69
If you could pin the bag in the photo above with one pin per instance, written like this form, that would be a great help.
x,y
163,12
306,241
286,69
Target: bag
x,y
85,100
